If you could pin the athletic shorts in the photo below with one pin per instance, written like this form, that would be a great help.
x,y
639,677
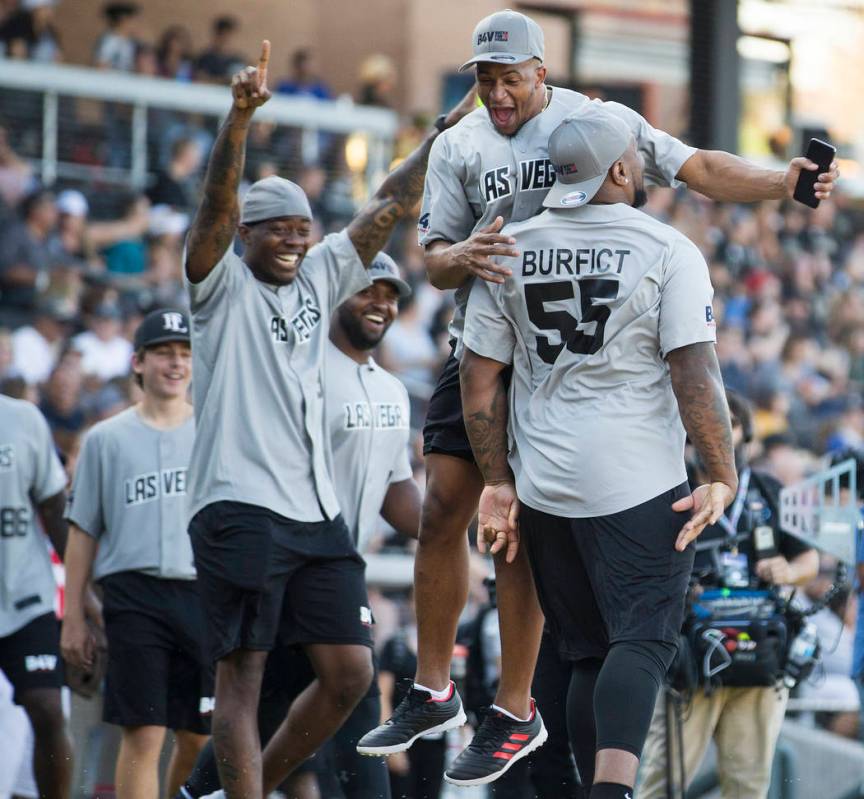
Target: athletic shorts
x,y
444,430
611,578
30,657
261,574
158,672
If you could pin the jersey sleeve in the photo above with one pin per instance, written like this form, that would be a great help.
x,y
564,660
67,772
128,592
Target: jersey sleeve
x,y
208,293
342,269
664,154
84,508
487,331
686,314
445,213
49,478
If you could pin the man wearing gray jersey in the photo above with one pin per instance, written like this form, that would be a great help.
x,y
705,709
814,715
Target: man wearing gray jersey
x,y
490,169
272,552
32,484
367,413
608,325
127,515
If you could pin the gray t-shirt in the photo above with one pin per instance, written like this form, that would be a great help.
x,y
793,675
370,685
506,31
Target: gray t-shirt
x,y
598,297
476,174
368,416
129,493
258,353
30,473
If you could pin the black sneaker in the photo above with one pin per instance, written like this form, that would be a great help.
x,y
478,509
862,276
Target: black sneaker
x,y
418,714
498,743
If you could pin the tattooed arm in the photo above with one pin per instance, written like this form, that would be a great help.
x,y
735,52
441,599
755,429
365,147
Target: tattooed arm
x,y
399,193
484,405
698,388
215,222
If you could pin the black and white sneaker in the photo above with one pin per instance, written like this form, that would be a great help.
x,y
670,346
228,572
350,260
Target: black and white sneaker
x,y
418,714
498,743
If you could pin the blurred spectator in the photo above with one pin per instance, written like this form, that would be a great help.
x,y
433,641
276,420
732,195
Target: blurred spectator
x,y
28,252
37,347
219,61
61,400
377,81
115,49
7,354
174,53
409,352
303,82
104,352
145,62
177,186
30,33
127,254
16,175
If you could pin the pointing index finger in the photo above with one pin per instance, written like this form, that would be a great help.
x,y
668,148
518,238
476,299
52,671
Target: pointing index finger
x,y
263,61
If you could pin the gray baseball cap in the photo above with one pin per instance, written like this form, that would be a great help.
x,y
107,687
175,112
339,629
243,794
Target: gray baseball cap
x,y
273,197
582,148
383,267
506,37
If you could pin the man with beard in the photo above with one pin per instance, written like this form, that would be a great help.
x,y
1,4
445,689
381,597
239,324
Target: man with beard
x,y
367,420
491,169
608,325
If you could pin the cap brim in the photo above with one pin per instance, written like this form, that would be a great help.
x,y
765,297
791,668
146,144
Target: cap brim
x,y
402,288
497,58
573,195
166,339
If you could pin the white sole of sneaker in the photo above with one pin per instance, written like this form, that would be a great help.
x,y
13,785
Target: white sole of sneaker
x,y
377,751
524,752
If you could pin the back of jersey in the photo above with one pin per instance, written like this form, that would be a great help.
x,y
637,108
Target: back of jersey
x,y
598,297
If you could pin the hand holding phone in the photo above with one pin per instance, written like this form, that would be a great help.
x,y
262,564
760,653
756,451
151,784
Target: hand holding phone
x,y
822,154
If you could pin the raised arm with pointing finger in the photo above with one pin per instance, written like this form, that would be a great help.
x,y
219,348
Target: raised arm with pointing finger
x,y
215,223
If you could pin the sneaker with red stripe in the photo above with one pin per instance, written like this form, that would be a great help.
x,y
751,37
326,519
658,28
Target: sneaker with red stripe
x,y
498,743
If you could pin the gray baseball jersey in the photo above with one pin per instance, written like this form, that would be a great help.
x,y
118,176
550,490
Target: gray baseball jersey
x,y
129,493
30,473
368,416
258,353
598,297
476,174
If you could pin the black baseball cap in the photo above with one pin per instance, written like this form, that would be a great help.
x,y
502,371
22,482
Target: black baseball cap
x,y
161,326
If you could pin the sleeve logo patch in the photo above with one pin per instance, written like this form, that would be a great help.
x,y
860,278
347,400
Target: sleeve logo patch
x,y
709,316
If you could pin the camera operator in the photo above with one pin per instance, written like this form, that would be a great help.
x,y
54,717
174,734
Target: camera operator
x,y
744,719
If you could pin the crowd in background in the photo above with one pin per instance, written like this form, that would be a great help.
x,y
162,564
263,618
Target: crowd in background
x,y
77,273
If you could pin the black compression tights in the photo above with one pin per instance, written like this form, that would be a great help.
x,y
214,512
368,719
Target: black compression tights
x,y
610,702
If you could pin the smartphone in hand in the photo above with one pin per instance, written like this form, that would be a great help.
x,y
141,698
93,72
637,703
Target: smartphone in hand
x,y
821,153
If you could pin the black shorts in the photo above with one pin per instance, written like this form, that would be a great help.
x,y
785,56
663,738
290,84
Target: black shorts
x,y
158,672
261,574
444,430
611,578
30,657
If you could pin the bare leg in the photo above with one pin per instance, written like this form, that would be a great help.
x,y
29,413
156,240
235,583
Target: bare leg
x,y
187,746
137,771
343,675
453,487
52,753
235,723
521,624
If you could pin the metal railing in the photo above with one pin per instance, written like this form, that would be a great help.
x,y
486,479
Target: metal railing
x,y
55,85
